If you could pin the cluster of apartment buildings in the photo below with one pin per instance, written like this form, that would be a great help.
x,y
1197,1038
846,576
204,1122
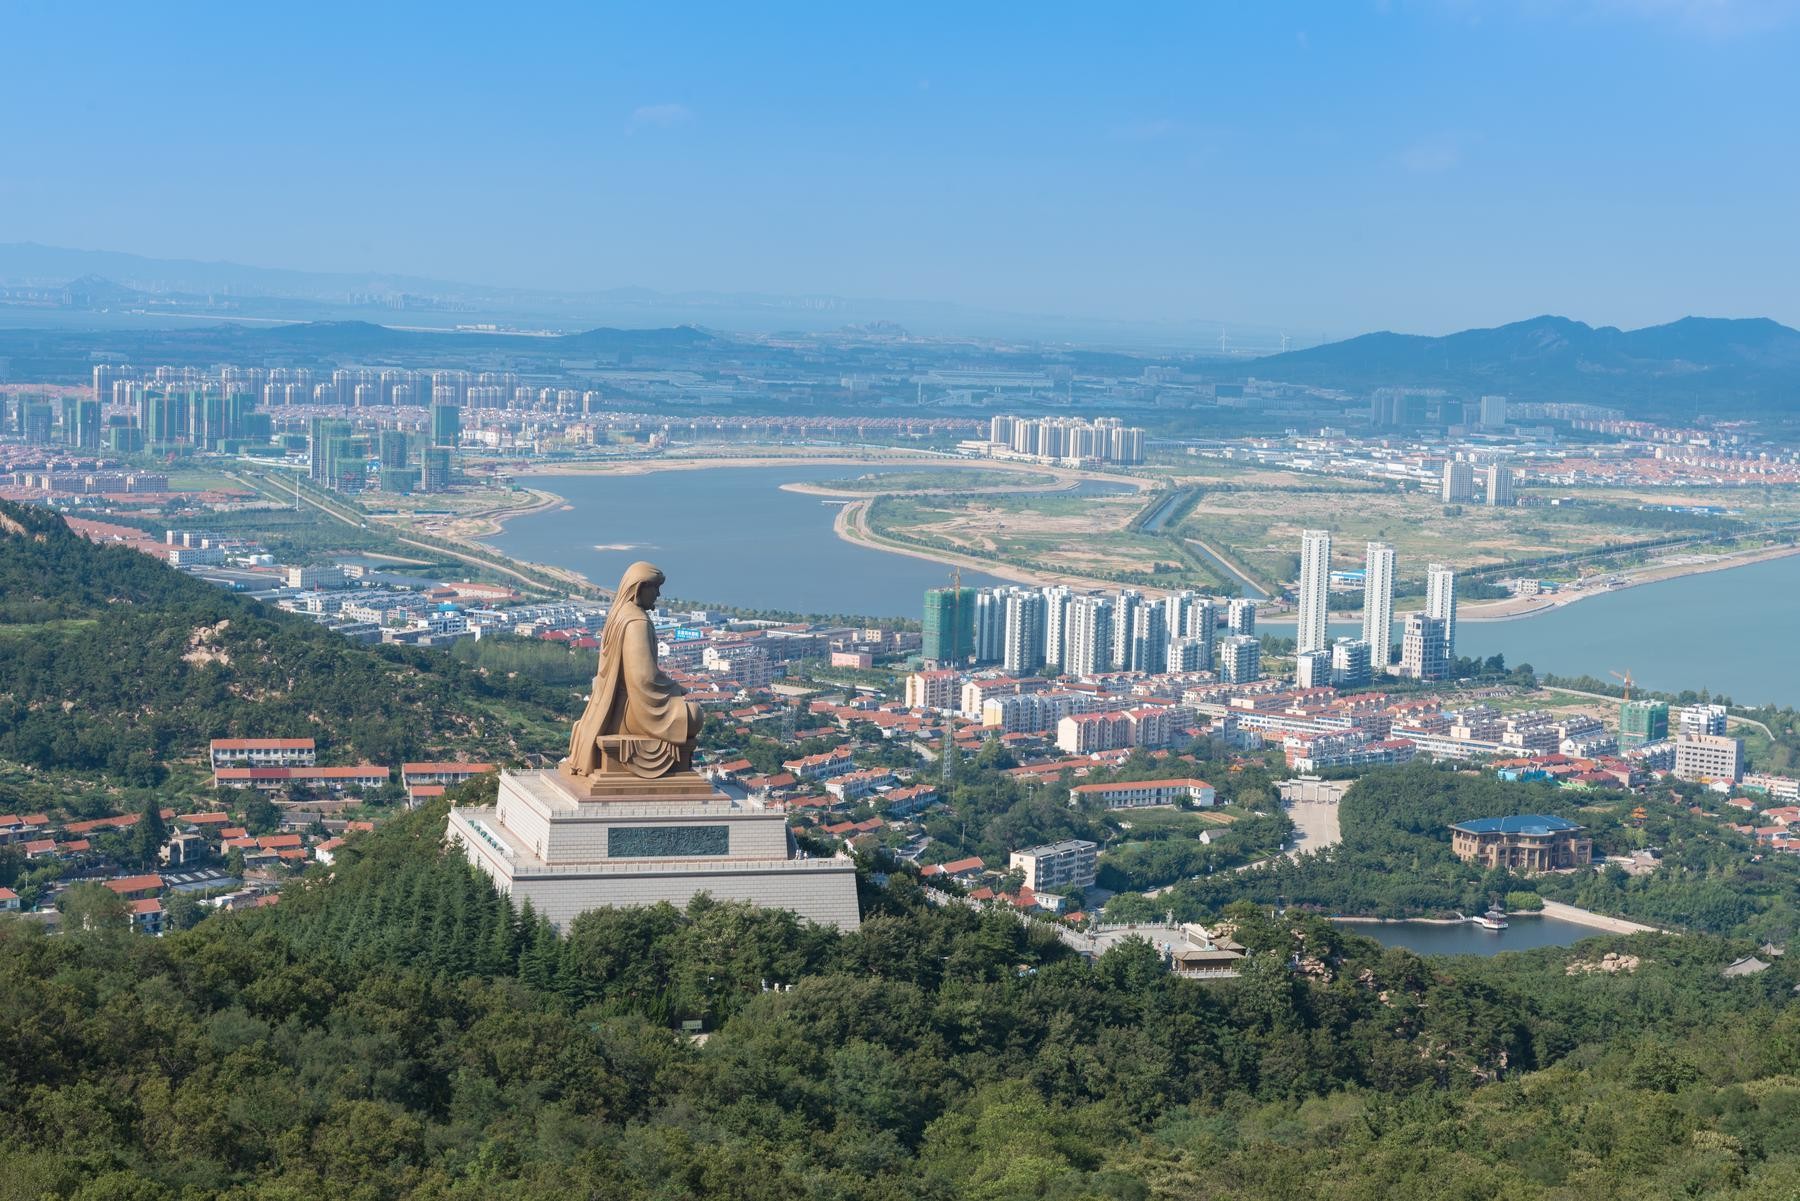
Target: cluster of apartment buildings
x,y
1065,631
1071,441
1427,637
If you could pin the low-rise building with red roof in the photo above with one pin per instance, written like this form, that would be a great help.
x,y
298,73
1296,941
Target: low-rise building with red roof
x,y
279,779
263,752
146,915
1139,794
448,774
137,886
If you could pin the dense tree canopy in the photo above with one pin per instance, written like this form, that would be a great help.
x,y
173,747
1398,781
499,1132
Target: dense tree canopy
x,y
115,664
393,1029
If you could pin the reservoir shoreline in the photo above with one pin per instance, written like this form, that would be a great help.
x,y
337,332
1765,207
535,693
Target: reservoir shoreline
x,y
856,532
1569,639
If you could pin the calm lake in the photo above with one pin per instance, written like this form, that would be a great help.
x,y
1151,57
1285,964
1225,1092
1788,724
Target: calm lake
x,y
1466,938
1729,631
728,535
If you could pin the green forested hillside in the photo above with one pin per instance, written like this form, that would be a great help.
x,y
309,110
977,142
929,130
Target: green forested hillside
x,y
394,1031
1395,860
112,662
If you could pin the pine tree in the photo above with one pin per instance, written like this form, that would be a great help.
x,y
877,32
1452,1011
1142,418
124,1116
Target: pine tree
x,y
150,834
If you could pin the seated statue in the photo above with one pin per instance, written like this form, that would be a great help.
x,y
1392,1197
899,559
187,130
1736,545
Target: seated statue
x,y
636,721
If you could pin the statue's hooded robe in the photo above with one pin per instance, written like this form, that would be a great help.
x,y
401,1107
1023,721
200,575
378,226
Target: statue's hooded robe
x,y
632,697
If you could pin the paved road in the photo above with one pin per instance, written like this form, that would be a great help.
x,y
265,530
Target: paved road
x,y
1316,825
1731,719
1315,828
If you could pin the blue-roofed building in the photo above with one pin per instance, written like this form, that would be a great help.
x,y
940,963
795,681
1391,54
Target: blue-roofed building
x,y
1526,842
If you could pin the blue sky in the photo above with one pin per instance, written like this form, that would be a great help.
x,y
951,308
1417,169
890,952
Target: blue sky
x,y
1325,168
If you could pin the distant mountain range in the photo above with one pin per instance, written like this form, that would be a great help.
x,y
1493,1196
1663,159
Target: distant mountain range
x,y
66,354
111,279
1722,367
1697,364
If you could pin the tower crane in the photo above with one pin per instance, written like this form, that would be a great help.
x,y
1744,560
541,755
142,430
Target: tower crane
x,y
1624,678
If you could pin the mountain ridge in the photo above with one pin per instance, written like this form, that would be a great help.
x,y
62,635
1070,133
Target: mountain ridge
x,y
1752,362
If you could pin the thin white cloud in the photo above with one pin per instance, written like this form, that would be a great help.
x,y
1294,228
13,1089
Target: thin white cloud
x,y
658,116
1432,156
1718,18
1154,130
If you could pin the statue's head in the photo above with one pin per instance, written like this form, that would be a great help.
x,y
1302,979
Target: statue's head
x,y
641,585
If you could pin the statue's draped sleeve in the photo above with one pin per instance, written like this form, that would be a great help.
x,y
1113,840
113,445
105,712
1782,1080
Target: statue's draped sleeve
x,y
654,707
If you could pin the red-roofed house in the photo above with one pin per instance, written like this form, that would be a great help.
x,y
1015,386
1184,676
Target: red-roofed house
x,y
146,915
965,869
1140,794
727,771
854,785
902,802
276,779
823,766
132,887
121,821
423,794
9,900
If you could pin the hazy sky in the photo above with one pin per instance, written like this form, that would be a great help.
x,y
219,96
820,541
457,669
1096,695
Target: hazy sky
x,y
1327,168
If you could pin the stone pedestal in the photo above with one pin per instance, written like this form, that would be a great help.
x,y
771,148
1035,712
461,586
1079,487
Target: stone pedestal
x,y
569,844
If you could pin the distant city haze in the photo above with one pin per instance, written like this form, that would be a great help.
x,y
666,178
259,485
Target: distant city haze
x,y
1315,170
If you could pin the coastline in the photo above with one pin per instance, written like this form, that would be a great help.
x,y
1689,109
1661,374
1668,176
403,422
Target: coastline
x,y
1515,608
1566,913
821,490
847,524
1598,921
649,466
850,526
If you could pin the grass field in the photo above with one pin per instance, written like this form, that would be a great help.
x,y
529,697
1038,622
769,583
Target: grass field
x,y
31,629
1080,535
1262,528
1175,822
200,479
1255,515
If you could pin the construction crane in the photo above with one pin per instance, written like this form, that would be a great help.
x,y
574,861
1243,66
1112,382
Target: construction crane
x,y
1624,678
